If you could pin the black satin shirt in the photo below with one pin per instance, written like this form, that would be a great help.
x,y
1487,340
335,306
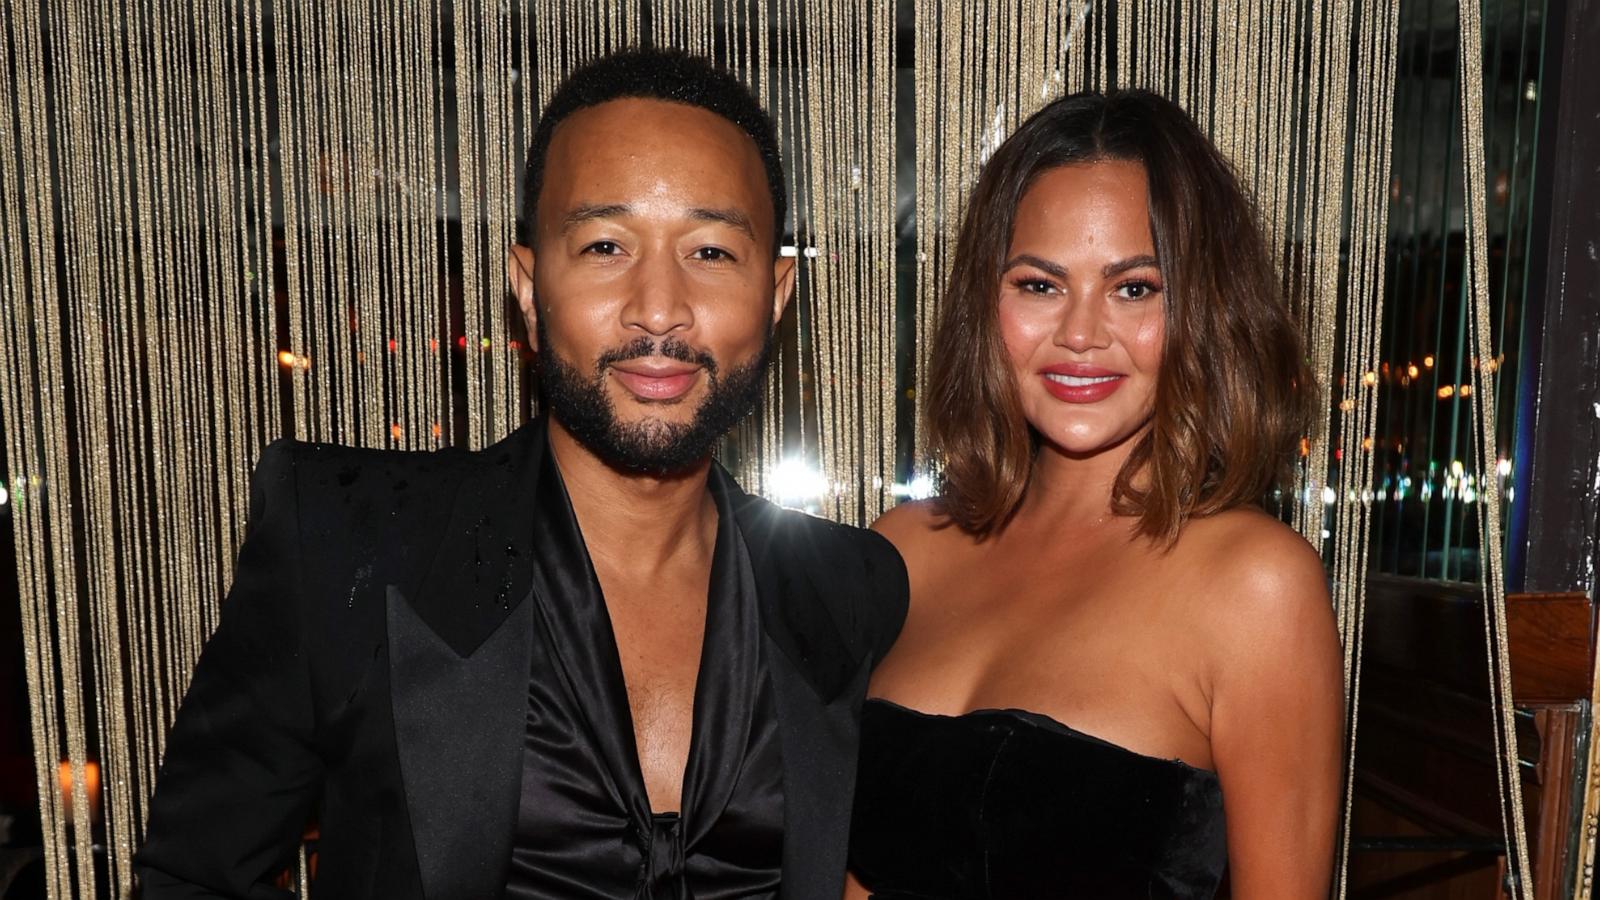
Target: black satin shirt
x,y
584,825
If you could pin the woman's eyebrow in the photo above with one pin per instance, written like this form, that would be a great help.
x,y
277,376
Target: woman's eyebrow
x,y
1132,262
1028,259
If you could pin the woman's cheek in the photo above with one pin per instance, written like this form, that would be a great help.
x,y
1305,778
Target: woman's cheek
x,y
1020,332
1149,339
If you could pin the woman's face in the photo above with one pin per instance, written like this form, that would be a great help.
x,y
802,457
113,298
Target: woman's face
x,y
1082,306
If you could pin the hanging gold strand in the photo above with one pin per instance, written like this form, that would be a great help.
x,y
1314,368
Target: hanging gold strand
x,y
1509,772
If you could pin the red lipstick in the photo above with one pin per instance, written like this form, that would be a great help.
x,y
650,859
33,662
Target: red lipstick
x,y
1080,382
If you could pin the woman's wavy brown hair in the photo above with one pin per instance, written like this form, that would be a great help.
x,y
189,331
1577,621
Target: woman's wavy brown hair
x,y
1234,395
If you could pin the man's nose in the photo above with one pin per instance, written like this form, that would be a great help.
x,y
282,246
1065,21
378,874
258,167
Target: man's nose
x,y
658,300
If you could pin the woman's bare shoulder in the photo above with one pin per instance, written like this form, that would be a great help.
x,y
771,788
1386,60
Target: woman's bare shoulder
x,y
1263,586
921,531
1245,551
908,519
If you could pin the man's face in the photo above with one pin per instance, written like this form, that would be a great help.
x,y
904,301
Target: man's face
x,y
651,289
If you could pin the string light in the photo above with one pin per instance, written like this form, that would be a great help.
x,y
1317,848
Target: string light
x,y
797,483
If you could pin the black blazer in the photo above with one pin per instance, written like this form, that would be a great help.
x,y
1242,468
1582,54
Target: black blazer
x,y
371,669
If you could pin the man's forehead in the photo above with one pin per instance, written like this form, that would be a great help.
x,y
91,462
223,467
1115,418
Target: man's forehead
x,y
651,120
637,152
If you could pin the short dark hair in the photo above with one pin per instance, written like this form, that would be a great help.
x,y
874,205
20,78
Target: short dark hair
x,y
655,74
1234,396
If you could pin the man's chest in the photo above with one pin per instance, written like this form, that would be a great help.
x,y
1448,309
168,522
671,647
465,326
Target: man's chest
x,y
659,639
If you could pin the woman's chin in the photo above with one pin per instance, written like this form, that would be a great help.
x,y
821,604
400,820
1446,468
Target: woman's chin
x,y
1087,443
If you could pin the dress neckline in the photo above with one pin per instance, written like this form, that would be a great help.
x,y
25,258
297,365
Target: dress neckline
x,y
1040,720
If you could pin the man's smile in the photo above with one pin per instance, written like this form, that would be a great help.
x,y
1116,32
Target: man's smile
x,y
657,381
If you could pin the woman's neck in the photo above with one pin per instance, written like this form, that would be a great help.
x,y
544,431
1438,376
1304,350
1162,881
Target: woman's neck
x,y
1075,489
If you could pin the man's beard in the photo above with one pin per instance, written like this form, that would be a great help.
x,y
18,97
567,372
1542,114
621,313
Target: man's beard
x,y
651,446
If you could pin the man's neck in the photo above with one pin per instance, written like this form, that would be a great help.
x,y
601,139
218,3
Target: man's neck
x,y
644,523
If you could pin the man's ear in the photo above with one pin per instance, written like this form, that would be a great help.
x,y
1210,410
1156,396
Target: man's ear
x,y
519,268
782,286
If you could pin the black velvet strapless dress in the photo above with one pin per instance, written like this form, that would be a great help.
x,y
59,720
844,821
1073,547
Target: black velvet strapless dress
x,y
1012,804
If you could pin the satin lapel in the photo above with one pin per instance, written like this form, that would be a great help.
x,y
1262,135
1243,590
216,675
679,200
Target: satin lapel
x,y
817,686
727,683
459,725
819,778
571,608
458,672
785,556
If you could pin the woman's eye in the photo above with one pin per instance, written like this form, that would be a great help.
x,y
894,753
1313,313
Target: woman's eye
x,y
1034,286
602,248
713,254
1137,290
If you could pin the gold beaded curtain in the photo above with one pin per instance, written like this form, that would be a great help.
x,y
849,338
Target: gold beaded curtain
x,y
228,220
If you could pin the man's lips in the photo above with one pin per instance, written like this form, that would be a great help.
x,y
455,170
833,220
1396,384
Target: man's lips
x,y
656,381
1080,383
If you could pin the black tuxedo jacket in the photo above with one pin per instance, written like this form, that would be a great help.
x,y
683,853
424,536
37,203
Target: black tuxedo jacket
x,y
371,671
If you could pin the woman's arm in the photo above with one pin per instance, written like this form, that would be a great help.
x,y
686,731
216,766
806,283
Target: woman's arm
x,y
1277,716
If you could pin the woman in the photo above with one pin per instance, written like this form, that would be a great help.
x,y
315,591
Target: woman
x,y
1119,676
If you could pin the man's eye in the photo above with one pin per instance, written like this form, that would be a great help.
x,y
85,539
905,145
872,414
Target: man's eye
x,y
713,254
602,248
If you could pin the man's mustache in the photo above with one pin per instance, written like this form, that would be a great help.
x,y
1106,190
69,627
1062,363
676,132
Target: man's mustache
x,y
671,348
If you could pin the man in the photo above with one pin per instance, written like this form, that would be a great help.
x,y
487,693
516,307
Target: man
x,y
580,662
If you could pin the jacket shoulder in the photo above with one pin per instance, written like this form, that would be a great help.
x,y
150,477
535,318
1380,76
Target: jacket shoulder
x,y
330,477
359,514
856,572
350,464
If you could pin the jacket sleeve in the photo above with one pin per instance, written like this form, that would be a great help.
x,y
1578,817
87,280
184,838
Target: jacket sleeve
x,y
889,587
241,774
